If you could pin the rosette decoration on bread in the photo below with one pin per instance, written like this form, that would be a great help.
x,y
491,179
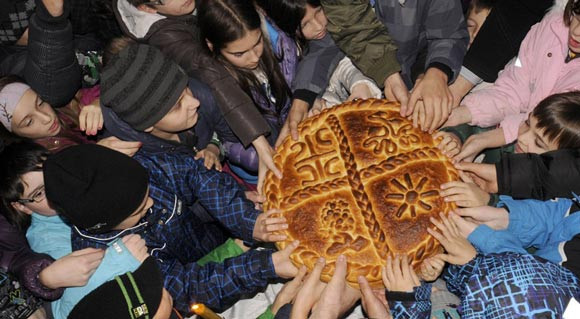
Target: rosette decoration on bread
x,y
360,181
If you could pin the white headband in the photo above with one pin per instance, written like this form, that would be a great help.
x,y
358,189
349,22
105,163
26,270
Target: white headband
x,y
9,98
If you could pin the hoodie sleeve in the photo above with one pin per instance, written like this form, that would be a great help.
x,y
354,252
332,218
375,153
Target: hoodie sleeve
x,y
236,106
51,67
539,176
411,305
356,30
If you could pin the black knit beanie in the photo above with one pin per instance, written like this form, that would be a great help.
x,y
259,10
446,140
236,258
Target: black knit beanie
x,y
96,188
141,85
132,295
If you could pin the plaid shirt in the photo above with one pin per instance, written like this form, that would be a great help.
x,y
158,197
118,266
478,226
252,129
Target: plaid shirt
x,y
176,235
511,285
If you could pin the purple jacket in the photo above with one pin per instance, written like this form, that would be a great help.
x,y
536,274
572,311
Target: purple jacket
x,y
17,257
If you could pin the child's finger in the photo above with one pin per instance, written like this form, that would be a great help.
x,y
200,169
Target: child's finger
x,y
405,267
438,236
385,276
398,274
447,224
441,227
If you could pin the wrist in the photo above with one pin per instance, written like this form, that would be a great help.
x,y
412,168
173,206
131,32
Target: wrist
x,y
45,278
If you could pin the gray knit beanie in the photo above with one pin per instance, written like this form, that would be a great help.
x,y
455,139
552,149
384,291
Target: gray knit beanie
x,y
141,85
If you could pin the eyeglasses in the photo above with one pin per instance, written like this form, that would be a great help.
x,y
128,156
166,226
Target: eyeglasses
x,y
36,197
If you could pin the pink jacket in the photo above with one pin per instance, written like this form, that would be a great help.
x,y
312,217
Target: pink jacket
x,y
538,71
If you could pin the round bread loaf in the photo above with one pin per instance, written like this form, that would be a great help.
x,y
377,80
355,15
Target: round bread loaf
x,y
360,181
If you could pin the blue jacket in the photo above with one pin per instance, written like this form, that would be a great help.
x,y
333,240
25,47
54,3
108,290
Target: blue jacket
x,y
50,235
551,227
498,286
177,235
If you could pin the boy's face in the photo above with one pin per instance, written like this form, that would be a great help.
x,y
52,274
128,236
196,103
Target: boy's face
x,y
475,20
33,198
532,139
171,7
182,116
136,216
313,25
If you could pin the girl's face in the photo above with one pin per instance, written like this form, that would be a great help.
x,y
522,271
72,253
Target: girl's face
x,y
245,53
574,34
33,118
531,139
313,25
475,21
33,198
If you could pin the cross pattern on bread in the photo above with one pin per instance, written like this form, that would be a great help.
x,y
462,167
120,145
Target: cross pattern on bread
x,y
360,181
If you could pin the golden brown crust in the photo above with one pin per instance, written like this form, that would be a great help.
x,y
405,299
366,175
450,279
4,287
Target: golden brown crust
x,y
360,181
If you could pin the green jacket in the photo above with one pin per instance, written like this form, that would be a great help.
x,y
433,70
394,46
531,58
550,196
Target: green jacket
x,y
357,31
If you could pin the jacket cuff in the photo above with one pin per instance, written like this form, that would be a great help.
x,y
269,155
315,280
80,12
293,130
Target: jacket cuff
x,y
443,68
46,20
481,236
306,96
267,270
381,70
420,293
493,200
30,280
239,124
470,76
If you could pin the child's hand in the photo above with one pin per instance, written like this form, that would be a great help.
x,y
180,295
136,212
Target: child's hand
x,y
91,118
464,194
136,246
431,268
459,115
255,198
127,148
494,217
449,143
483,175
459,250
398,275
361,91
265,155
476,143
375,305
210,155
310,293
337,297
282,264
267,225
72,270
288,293
318,106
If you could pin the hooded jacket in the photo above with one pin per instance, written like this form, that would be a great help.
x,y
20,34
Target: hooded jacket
x,y
178,38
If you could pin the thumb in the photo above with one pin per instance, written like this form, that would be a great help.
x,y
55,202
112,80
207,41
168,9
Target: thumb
x,y
290,248
339,270
445,257
365,288
402,95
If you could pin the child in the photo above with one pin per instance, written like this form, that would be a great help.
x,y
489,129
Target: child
x,y
25,114
308,22
553,124
137,294
172,28
175,236
545,65
24,202
495,285
233,34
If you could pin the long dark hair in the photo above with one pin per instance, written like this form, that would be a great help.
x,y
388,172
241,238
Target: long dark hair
x,y
572,8
287,14
16,160
225,21
559,116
